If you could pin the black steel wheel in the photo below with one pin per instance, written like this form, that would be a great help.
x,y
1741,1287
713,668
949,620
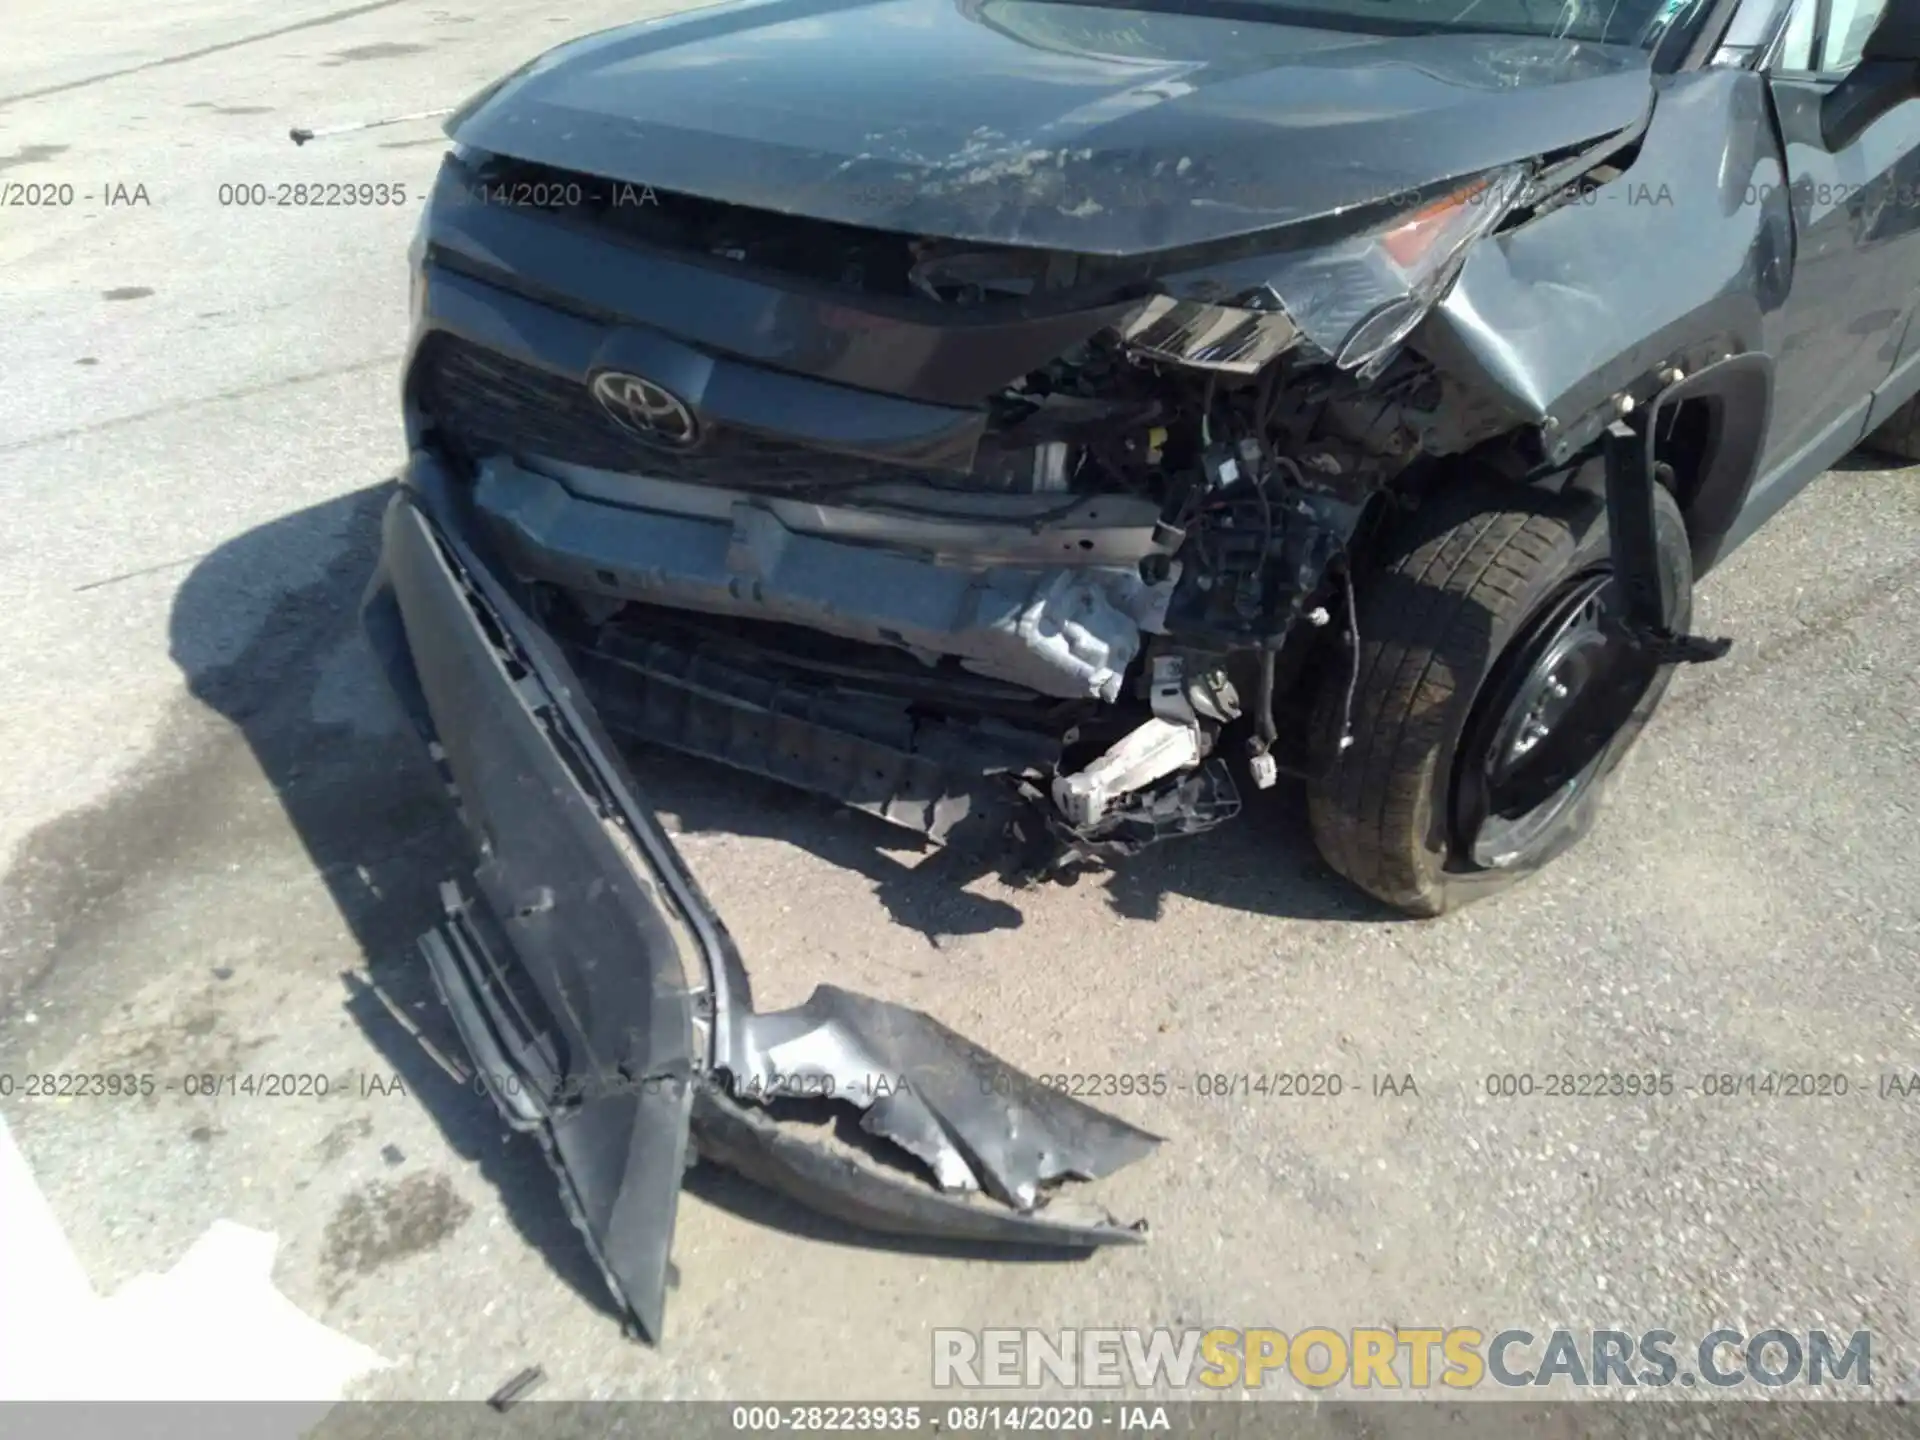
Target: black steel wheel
x,y
1496,694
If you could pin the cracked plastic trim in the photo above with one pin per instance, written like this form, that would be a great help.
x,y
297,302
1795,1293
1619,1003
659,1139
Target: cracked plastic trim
x,y
640,1011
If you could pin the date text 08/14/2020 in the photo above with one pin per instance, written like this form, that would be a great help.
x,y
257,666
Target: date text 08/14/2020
x,y
1512,1085
1040,1418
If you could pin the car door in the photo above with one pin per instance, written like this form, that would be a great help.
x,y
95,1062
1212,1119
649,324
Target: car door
x,y
1856,266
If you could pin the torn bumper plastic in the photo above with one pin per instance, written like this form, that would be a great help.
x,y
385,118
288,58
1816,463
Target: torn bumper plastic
x,y
605,1006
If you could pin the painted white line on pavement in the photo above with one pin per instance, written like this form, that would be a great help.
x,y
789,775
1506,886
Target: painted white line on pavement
x,y
212,1328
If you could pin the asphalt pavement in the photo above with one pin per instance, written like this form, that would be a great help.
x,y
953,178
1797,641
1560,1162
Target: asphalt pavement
x,y
216,846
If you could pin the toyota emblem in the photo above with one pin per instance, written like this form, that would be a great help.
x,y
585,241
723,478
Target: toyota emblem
x,y
645,409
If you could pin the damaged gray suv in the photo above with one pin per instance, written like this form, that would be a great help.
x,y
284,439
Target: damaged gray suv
x,y
1046,425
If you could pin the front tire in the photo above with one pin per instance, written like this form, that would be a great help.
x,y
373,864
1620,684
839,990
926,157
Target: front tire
x,y
1488,669
1899,434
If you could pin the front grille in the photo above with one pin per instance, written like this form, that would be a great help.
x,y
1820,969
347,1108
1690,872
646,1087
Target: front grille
x,y
485,403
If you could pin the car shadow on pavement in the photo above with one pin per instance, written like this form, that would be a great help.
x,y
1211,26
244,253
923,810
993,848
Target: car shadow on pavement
x,y
1869,459
1262,862
921,887
368,807
265,631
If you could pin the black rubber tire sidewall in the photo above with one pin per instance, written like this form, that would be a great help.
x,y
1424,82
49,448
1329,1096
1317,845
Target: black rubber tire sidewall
x,y
1437,608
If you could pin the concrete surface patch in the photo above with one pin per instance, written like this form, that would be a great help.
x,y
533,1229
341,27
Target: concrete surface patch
x,y
381,1223
31,155
340,1139
213,1327
380,50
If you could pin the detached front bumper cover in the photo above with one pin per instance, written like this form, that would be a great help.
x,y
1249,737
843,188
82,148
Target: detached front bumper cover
x,y
604,1003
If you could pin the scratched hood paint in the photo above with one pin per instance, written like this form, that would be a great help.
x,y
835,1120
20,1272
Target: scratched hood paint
x,y
1057,125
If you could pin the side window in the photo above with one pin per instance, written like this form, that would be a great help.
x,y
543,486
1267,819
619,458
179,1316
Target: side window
x,y
1825,37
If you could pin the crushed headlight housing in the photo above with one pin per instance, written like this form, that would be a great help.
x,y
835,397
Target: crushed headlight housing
x,y
1354,299
1359,297
1239,339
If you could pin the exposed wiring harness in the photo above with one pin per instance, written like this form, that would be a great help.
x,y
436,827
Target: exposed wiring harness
x,y
1353,654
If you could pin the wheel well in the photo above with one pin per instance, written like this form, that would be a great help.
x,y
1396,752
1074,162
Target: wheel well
x,y
1682,443
1710,428
1708,431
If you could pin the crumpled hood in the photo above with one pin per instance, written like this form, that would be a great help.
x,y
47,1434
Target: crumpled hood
x,y
1067,126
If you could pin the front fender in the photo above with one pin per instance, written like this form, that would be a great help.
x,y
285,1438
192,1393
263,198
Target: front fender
x,y
1676,261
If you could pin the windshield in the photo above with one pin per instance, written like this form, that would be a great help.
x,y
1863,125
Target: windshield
x,y
1639,23
1604,22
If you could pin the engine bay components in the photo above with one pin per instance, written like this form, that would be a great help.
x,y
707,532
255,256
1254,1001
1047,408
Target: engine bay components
x,y
1064,631
1154,750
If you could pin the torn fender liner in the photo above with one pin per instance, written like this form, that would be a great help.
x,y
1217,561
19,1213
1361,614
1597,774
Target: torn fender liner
x,y
603,1002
